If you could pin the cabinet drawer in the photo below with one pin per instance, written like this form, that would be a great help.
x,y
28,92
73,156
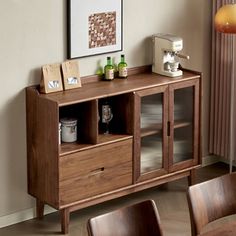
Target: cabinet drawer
x,y
95,171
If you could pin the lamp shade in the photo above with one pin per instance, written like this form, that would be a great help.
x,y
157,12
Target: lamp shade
x,y
225,19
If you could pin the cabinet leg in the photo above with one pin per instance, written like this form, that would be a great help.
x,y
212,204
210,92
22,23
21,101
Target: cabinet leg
x,y
65,219
39,209
192,177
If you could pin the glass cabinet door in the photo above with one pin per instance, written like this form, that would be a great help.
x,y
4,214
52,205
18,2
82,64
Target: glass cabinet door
x,y
184,123
150,130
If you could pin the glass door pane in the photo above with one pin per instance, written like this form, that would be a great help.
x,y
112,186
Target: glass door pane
x,y
183,124
151,133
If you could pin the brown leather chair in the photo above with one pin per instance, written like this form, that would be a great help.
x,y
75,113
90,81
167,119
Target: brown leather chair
x,y
212,200
140,219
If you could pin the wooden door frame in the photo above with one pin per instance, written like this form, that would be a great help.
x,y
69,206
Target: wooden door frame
x,y
196,124
138,177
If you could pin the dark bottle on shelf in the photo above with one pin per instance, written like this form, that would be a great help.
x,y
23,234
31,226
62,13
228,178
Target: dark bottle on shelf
x,y
106,116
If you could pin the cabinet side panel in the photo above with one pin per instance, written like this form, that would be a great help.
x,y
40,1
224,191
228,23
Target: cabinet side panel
x,y
137,140
31,102
197,119
48,151
42,132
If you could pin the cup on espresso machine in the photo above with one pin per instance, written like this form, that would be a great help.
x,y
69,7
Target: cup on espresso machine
x,y
171,66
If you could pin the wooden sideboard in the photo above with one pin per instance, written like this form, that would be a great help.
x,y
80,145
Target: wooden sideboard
x,y
154,138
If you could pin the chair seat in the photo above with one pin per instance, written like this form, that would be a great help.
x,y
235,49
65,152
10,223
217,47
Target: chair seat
x,y
227,229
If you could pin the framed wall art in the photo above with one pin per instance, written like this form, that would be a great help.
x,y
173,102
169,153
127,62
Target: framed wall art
x,y
94,27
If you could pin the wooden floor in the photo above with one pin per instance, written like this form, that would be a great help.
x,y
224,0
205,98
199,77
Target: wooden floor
x,y
170,200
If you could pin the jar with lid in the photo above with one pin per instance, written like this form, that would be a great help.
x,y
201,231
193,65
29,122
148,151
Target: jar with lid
x,y
68,130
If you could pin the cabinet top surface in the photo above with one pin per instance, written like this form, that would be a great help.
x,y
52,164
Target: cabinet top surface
x,y
101,89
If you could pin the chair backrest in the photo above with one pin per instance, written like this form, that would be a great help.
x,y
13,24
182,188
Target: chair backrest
x,y
211,200
139,219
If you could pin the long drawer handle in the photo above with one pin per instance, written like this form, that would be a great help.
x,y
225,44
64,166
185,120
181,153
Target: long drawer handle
x,y
97,171
168,128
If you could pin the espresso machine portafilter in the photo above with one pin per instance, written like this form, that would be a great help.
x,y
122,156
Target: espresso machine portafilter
x,y
166,54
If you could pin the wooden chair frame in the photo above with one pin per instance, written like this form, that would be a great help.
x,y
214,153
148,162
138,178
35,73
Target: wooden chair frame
x,y
211,200
136,220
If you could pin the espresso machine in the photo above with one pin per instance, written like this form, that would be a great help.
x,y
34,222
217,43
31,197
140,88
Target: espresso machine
x,y
166,48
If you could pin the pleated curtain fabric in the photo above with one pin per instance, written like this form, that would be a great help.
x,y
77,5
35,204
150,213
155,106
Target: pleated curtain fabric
x,y
222,130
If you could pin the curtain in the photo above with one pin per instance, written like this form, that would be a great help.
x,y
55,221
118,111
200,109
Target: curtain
x,y
223,97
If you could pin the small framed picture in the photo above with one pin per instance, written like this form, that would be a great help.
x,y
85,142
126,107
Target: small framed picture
x,y
71,75
95,27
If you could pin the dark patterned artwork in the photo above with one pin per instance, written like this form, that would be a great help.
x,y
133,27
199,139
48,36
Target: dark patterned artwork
x,y
102,29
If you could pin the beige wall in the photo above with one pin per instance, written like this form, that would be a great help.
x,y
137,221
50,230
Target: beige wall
x,y
33,33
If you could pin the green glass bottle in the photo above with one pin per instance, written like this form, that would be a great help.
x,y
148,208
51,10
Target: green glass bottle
x,y
109,70
122,67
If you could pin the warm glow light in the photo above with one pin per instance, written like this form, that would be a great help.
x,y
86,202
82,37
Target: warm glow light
x,y
225,19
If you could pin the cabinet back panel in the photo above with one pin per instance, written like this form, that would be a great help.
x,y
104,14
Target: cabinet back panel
x,y
86,114
122,110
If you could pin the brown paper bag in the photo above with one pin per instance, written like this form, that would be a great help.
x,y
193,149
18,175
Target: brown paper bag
x,y
51,78
71,75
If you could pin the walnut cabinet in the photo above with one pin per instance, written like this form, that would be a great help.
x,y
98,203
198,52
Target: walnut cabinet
x,y
154,137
